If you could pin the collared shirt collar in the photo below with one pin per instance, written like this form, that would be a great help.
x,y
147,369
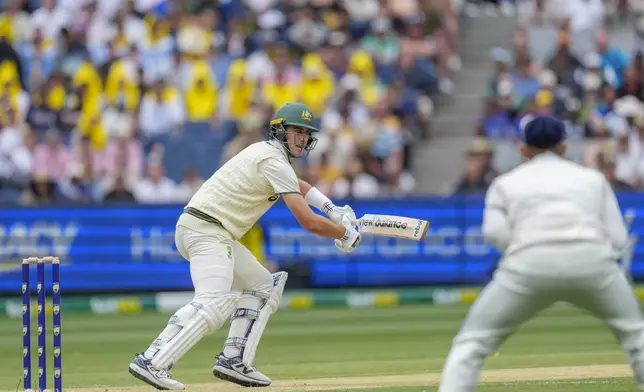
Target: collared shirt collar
x,y
279,145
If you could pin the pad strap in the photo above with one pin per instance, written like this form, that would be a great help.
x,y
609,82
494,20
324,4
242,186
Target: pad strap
x,y
250,314
235,342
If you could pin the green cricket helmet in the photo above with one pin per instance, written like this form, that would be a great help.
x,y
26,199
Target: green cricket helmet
x,y
293,114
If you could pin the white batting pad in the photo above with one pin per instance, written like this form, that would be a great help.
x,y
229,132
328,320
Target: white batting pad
x,y
257,330
208,318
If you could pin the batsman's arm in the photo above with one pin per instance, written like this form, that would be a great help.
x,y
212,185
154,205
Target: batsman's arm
x,y
282,178
496,228
315,198
311,221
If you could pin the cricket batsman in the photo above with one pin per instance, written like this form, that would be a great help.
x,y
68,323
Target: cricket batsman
x,y
226,206
561,232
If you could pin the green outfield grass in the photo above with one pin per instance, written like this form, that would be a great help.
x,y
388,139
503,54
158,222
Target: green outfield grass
x,y
400,349
613,385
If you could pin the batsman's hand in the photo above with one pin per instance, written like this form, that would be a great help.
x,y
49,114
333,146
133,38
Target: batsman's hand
x,y
337,215
351,238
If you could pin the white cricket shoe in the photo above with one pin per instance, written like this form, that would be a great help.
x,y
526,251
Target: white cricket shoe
x,y
161,379
234,370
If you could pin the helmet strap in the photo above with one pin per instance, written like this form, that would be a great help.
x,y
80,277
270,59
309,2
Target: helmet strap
x,y
278,132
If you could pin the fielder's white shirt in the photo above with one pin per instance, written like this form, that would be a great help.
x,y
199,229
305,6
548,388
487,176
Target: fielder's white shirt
x,y
246,186
550,200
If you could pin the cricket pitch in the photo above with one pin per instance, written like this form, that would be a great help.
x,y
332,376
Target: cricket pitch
x,y
404,380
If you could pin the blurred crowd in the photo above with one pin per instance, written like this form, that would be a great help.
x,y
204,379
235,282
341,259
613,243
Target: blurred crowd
x,y
90,90
594,84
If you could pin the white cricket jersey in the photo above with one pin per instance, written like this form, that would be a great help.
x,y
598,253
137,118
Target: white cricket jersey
x,y
246,186
550,200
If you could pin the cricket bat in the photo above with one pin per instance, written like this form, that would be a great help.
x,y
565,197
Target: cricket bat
x,y
393,226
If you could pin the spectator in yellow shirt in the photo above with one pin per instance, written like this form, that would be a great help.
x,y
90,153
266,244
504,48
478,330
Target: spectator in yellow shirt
x,y
238,93
87,79
361,64
201,94
122,82
318,85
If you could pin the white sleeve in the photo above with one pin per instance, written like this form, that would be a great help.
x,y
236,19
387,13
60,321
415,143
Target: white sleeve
x,y
496,228
280,175
613,220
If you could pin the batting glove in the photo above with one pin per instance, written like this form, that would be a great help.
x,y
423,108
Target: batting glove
x,y
337,215
351,239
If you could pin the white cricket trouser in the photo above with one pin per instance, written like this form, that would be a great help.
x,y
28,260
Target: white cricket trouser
x,y
518,291
218,264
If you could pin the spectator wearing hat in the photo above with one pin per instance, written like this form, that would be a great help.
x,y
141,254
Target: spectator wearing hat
x,y
478,172
608,166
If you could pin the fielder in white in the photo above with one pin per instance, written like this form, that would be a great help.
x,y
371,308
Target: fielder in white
x,y
561,232
221,211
